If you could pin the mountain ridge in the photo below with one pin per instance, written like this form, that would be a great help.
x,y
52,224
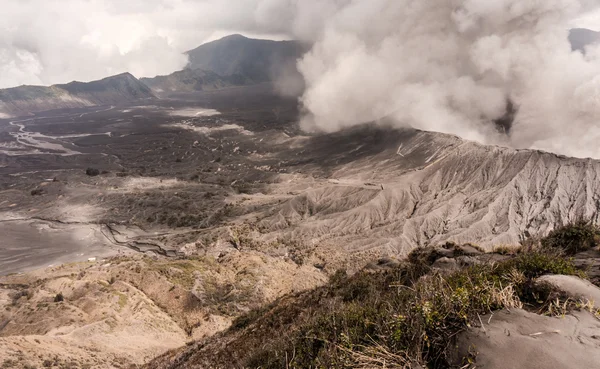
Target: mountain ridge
x,y
237,60
25,100
237,55
187,80
234,60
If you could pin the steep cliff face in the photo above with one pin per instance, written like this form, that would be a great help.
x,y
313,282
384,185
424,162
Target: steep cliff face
x,y
396,190
117,89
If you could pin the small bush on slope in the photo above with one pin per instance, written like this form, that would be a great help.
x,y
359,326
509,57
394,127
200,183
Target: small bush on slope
x,y
573,238
395,319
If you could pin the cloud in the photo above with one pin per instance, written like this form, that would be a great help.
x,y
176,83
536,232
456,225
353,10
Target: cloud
x,y
451,66
47,42
56,41
590,20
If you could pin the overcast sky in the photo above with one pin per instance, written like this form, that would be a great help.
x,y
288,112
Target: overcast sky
x,y
591,21
55,41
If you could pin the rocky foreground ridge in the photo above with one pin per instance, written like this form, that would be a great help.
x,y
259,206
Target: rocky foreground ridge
x,y
445,307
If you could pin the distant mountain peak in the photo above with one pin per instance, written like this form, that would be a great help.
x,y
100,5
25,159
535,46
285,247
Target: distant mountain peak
x,y
121,75
580,38
235,36
250,59
233,60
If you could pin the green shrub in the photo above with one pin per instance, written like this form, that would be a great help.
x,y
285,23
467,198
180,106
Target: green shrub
x,y
573,238
92,172
424,256
536,264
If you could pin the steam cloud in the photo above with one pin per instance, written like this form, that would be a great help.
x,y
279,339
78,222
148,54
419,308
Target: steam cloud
x,y
445,66
449,66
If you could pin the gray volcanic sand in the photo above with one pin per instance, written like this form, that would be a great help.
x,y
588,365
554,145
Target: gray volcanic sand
x,y
519,339
51,151
33,244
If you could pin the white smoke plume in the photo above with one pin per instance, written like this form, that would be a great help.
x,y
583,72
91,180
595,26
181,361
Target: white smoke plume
x,y
449,66
445,66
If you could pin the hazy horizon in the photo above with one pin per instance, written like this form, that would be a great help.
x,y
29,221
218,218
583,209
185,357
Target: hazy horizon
x,y
47,42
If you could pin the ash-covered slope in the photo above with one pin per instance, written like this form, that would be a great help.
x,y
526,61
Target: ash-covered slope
x,y
363,194
117,89
385,192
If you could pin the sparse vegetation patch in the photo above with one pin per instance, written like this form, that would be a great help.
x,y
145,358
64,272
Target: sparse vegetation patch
x,y
397,318
572,238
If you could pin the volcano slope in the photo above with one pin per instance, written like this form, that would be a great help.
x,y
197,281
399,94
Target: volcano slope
x,y
396,190
238,207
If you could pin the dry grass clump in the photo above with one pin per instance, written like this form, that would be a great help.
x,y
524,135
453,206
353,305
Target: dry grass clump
x,y
507,250
181,272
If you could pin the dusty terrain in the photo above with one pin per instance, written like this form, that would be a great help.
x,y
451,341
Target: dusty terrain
x,y
127,310
208,204
168,186
517,338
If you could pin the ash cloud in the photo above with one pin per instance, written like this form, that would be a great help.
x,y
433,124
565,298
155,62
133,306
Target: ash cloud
x,y
451,66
